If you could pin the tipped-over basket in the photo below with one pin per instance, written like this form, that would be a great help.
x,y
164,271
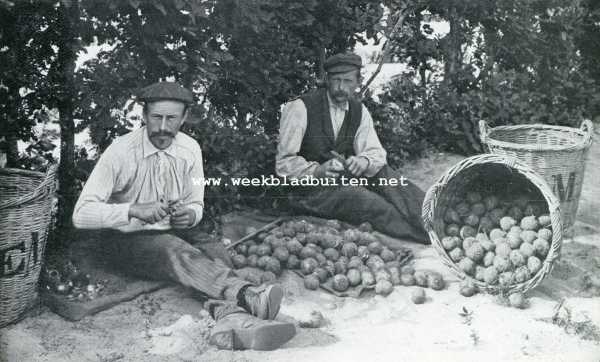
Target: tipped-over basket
x,y
502,177
25,215
557,153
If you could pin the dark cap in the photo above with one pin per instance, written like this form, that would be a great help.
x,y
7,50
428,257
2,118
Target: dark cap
x,y
165,91
343,62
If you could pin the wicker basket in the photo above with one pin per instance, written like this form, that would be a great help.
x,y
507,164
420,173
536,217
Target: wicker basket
x,y
25,214
490,173
556,153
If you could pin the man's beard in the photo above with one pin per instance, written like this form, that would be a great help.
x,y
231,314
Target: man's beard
x,y
162,139
339,98
340,95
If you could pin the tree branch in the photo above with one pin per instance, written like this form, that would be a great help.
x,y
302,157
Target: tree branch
x,y
385,50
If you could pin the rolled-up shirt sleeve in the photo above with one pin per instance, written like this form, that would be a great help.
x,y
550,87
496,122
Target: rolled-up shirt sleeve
x,y
92,210
291,133
367,144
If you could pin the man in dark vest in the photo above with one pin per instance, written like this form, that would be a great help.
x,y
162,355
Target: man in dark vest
x,y
332,119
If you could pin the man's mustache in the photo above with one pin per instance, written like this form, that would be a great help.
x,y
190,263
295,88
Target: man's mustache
x,y
340,94
162,133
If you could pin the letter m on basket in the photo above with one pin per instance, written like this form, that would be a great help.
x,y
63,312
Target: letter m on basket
x,y
16,260
558,187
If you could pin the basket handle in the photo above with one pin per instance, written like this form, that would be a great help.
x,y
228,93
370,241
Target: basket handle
x,y
42,190
483,131
427,208
588,127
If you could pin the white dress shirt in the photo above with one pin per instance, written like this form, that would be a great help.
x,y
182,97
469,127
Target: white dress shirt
x,y
132,170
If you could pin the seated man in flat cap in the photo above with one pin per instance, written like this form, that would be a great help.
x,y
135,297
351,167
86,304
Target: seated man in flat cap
x,y
332,119
142,192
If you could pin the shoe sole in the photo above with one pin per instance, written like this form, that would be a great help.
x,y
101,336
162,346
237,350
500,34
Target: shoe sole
x,y
275,295
264,338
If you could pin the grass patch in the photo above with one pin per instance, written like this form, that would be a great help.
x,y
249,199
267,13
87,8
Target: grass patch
x,y
563,317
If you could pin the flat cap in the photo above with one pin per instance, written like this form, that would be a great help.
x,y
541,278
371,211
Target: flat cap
x,y
342,62
165,91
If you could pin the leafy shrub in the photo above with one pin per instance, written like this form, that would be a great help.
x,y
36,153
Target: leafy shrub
x,y
231,152
410,117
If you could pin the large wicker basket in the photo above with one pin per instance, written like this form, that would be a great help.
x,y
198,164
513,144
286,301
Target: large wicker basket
x,y
556,153
494,173
25,215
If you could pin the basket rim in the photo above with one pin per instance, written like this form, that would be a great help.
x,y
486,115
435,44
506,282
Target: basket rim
x,y
45,186
433,193
21,172
584,132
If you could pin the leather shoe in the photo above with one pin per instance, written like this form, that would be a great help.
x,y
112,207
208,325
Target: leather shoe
x,y
263,301
238,331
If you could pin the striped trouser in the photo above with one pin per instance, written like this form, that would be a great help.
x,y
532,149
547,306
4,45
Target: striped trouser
x,y
167,255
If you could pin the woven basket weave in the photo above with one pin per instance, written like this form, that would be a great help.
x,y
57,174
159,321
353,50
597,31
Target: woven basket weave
x,y
556,153
25,213
500,174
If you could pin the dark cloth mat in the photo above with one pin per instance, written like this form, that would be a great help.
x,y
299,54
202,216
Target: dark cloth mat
x,y
578,262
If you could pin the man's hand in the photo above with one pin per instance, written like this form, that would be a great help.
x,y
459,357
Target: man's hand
x,y
357,165
150,212
331,168
183,218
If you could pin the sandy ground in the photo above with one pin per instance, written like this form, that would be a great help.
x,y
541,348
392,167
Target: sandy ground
x,y
169,325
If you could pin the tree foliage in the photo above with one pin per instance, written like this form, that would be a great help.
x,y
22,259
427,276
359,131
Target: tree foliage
x,y
277,49
27,35
506,61
149,41
587,39
241,58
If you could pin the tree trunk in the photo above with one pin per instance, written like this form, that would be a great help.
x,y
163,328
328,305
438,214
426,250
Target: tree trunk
x,y
320,81
12,151
271,121
12,131
67,54
453,51
423,73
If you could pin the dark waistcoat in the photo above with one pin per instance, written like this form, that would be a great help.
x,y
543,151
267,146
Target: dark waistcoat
x,y
318,139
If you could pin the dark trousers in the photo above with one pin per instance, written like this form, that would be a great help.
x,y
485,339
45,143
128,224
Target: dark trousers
x,y
393,210
169,255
